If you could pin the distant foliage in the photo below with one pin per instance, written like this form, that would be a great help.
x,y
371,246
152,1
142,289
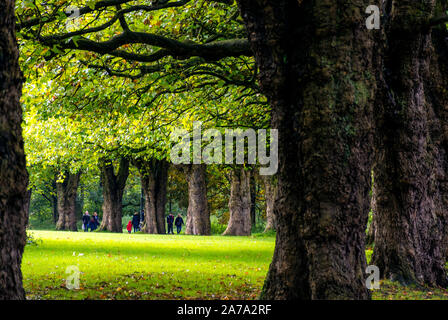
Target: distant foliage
x,y
31,240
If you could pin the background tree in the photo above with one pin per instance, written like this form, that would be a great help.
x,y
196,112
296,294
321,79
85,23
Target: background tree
x,y
240,222
410,168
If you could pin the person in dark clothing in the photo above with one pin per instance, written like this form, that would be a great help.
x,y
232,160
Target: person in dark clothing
x,y
86,221
92,223
179,222
97,220
170,221
136,222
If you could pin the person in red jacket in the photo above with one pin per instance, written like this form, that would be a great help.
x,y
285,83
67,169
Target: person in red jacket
x,y
129,226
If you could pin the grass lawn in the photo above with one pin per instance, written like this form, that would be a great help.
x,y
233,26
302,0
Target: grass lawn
x,y
140,266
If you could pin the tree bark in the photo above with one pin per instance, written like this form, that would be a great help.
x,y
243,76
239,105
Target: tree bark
x,y
240,223
270,191
198,214
13,174
253,198
409,234
438,95
113,188
54,202
154,178
66,194
316,63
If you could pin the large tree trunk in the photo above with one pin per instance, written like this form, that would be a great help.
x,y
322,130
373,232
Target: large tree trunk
x,y
13,174
240,223
154,177
54,201
270,191
409,234
113,188
253,198
198,214
66,193
438,95
316,68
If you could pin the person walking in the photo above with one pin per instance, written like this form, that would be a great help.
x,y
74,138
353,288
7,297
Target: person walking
x,y
170,221
92,224
86,221
179,222
136,222
97,220
129,226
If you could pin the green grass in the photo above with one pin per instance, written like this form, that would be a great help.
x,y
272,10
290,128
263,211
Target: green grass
x,y
141,266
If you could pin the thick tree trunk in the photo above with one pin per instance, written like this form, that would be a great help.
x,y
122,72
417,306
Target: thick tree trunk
x,y
270,191
409,234
198,214
438,95
13,174
253,198
54,202
154,177
66,193
240,223
113,188
316,68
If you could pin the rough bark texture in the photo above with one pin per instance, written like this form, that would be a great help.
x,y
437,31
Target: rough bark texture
x,y
253,198
154,177
66,194
240,223
113,187
54,201
410,214
198,214
437,86
13,174
316,61
270,191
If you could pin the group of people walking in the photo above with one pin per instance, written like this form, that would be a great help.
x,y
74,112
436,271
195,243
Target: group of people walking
x,y
90,222
137,224
178,222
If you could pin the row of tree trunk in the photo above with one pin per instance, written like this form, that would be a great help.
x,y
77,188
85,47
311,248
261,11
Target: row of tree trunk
x,y
154,178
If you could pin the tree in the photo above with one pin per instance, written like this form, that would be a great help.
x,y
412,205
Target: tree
x,y
198,214
270,190
410,167
113,188
322,100
154,177
13,174
240,222
67,187
253,198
